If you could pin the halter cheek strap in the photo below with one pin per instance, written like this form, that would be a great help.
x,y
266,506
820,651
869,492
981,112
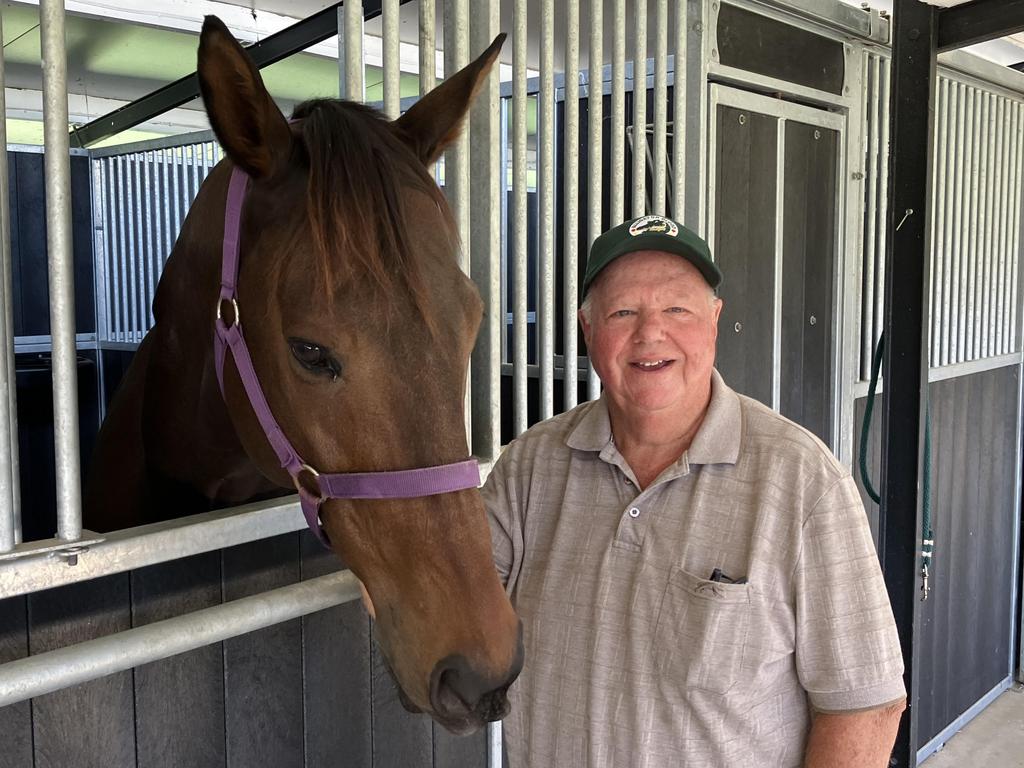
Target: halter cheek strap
x,y
313,487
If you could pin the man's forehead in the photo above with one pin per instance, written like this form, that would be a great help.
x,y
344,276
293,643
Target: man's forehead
x,y
651,267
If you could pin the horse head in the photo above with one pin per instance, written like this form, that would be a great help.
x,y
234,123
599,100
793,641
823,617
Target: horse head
x,y
359,323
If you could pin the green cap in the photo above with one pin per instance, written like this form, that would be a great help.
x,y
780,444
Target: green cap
x,y
651,233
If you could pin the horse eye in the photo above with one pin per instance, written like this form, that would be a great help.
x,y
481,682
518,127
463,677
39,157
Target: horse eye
x,y
315,358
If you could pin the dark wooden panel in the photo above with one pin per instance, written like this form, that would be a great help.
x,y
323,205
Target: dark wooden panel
x,y
967,621
16,719
263,669
743,247
15,214
399,738
808,261
336,673
179,701
82,244
91,724
459,751
31,317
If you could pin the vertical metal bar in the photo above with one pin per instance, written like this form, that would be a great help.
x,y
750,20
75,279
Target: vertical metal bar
x,y
595,151
504,185
948,181
570,203
956,240
971,349
869,333
938,206
778,248
639,108
546,179
519,203
660,105
1005,218
392,68
485,191
996,232
883,195
963,222
113,248
196,161
428,46
167,203
984,254
61,269
906,307
350,53
617,172
180,204
149,223
1016,209
137,252
678,115
9,533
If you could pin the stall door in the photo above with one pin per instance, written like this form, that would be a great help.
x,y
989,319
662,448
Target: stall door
x,y
773,224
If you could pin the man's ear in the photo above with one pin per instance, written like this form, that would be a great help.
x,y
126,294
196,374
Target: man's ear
x,y
435,121
585,326
247,122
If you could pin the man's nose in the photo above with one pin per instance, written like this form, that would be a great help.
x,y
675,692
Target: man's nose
x,y
650,327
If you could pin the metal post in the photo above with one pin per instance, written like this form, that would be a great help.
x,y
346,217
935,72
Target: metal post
x,y
906,307
61,268
546,218
570,204
350,53
519,203
660,106
428,47
392,67
639,108
10,529
678,115
617,172
595,150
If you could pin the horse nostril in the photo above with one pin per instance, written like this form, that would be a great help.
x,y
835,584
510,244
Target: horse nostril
x,y
457,691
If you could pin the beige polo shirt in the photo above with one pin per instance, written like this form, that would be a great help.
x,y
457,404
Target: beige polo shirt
x,y
634,656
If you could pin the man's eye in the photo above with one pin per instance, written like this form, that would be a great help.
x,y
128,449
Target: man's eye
x,y
315,358
622,313
675,310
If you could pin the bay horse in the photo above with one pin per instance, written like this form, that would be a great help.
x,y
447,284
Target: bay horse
x,y
359,324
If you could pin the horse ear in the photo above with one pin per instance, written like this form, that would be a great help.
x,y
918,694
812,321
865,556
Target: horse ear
x,y
247,122
435,121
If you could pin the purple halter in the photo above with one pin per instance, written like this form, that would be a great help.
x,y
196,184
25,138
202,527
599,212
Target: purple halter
x,y
403,484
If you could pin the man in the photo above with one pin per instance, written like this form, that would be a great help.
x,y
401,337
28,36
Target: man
x,y
695,574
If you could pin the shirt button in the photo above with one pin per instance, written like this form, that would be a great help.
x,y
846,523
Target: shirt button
x,y
634,512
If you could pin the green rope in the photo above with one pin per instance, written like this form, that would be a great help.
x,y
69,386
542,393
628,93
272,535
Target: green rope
x,y
927,539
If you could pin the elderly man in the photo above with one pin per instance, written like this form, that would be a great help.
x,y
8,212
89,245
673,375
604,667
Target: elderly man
x,y
695,573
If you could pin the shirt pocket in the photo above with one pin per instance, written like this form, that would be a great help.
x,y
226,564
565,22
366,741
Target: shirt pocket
x,y
701,632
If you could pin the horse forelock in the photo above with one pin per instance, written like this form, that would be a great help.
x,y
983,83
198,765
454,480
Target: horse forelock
x,y
358,218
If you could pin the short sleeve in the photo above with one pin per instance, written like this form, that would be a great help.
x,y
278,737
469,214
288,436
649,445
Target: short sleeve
x,y
504,519
848,653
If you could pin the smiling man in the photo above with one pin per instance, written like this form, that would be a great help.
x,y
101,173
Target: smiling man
x,y
695,574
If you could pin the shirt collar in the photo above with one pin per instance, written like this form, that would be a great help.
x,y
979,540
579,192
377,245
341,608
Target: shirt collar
x,y
717,440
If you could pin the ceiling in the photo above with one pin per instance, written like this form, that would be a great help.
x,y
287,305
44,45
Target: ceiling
x,y
119,50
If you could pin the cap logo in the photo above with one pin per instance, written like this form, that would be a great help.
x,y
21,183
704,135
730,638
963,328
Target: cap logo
x,y
652,225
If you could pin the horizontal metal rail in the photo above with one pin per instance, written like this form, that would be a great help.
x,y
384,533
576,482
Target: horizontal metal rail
x,y
51,671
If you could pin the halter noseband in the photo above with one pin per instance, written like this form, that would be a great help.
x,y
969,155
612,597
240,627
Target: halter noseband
x,y
313,487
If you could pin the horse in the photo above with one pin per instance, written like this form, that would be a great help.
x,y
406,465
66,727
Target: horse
x,y
358,326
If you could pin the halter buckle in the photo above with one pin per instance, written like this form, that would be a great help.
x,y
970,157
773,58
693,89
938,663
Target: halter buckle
x,y
307,480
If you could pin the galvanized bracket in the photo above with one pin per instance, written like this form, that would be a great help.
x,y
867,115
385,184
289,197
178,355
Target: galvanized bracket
x,y
54,548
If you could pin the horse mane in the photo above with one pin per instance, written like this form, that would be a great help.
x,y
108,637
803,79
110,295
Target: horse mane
x,y
357,167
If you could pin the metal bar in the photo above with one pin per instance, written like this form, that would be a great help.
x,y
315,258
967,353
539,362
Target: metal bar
x,y
519,202
660,105
949,182
906,307
53,670
570,205
139,238
428,46
486,190
350,17
546,197
884,151
271,49
938,208
132,275
956,181
595,151
639,107
1016,229
971,348
1003,139
166,163
61,269
778,250
115,223
869,334
963,223
617,172
984,267
978,21
678,112
392,69
8,371
1011,244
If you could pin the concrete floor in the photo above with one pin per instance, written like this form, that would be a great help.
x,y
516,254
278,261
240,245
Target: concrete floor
x,y
994,739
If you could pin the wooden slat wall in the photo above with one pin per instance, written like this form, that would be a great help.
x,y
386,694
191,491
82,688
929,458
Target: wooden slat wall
x,y
310,693
966,622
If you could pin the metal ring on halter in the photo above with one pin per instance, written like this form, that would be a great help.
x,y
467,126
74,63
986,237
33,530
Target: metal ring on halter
x,y
320,497
234,306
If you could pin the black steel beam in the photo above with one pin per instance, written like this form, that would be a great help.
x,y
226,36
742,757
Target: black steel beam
x,y
277,46
906,369
978,21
